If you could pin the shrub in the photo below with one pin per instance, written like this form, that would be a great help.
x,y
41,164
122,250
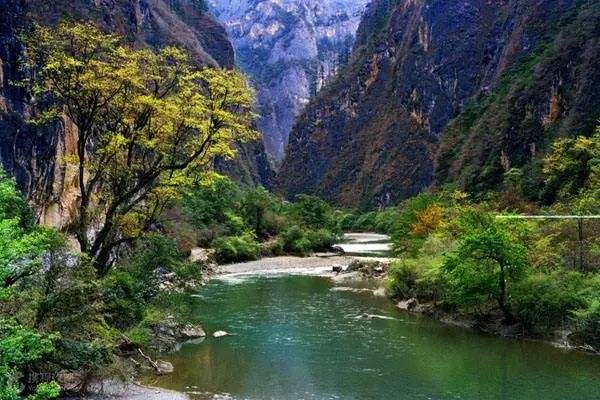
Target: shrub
x,y
402,279
236,248
294,241
313,213
587,329
321,239
546,301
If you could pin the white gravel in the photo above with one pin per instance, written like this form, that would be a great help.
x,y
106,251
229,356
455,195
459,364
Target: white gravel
x,y
112,390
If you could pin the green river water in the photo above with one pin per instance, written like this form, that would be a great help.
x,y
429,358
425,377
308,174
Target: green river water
x,y
298,337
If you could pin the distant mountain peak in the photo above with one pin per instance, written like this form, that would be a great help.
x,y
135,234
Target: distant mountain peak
x,y
289,48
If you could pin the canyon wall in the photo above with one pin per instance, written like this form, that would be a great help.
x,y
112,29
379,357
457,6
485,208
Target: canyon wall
x,y
444,91
32,153
289,48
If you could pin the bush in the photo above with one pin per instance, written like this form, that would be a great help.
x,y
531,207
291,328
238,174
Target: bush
x,y
294,241
587,330
546,301
236,248
402,279
313,213
321,240
297,240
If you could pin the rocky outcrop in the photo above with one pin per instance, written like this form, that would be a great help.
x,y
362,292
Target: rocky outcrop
x,y
289,49
373,135
33,154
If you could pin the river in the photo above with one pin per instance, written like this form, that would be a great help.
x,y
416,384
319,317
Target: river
x,y
304,337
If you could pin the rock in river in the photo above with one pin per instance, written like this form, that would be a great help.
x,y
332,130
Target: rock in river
x,y
192,332
219,334
164,367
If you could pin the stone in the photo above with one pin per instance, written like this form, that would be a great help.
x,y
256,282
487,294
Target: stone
x,y
219,334
192,332
337,268
164,367
201,255
408,305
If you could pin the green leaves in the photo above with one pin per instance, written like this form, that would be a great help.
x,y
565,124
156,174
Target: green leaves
x,y
22,244
20,346
149,125
487,259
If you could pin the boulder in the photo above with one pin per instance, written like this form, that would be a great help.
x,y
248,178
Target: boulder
x,y
202,256
192,332
337,268
219,334
164,367
408,305
338,249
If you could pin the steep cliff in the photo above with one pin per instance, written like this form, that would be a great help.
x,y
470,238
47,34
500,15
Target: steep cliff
x,y
289,48
33,154
373,135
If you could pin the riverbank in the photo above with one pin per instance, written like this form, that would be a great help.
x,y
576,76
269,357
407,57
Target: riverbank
x,y
112,390
289,333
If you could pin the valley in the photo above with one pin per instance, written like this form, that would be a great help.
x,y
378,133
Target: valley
x,y
299,199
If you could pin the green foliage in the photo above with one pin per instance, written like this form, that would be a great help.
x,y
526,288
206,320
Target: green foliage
x,y
214,209
154,121
302,241
543,302
19,347
21,243
308,225
489,259
588,324
262,212
313,213
421,277
417,217
571,167
236,248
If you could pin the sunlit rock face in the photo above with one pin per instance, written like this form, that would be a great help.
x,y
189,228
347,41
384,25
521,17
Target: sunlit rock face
x,y
289,48
33,154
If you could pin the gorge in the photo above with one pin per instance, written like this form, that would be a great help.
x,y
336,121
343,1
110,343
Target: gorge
x,y
289,49
299,199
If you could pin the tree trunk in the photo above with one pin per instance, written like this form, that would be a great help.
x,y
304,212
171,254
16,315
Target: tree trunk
x,y
508,317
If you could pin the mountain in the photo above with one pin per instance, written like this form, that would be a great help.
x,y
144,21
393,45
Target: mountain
x,y
289,48
31,153
451,92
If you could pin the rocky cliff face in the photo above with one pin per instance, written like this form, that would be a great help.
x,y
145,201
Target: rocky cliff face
x,y
516,73
289,48
32,154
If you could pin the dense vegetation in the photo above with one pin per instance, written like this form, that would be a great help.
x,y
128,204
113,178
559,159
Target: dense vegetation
x,y
244,223
149,127
536,275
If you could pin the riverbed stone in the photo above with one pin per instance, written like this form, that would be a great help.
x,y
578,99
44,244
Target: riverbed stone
x,y
219,334
407,305
164,367
192,332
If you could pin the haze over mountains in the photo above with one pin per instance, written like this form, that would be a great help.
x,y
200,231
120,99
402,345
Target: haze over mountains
x,y
289,48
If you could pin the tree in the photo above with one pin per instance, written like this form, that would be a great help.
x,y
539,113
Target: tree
x,y
487,260
570,165
22,244
147,124
20,346
258,209
312,212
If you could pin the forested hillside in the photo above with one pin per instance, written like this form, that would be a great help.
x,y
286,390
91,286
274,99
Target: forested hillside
x,y
447,92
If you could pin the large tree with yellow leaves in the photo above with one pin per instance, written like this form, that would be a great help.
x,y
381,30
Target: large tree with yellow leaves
x,y
148,124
